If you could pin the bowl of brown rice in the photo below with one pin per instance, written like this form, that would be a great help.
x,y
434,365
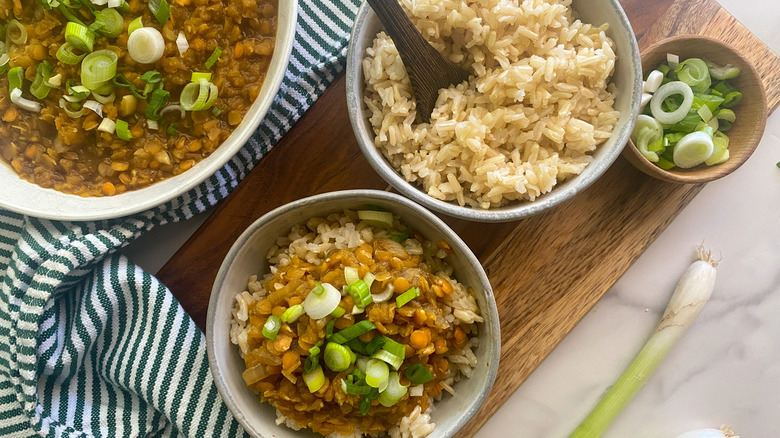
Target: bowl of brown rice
x,y
553,92
427,294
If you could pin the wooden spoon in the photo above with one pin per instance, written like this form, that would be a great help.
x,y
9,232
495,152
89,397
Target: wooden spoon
x,y
428,70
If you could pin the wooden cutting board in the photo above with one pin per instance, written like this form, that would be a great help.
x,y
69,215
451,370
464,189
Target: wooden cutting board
x,y
547,271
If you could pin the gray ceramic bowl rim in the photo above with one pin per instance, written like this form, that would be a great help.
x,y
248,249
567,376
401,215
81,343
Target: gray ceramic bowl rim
x,y
506,214
454,240
30,199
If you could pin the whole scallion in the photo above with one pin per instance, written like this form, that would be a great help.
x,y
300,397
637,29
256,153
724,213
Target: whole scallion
x,y
691,294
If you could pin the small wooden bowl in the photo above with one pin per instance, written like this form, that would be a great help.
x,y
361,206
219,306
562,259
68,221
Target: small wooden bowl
x,y
751,112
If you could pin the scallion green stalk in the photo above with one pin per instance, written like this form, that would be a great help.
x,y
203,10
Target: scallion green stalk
x,y
689,297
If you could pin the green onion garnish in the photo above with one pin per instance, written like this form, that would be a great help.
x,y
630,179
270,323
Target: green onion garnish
x,y
357,346
400,236
123,131
351,275
15,78
216,111
338,312
78,36
391,352
5,60
197,75
15,32
352,332
365,402
293,313
198,96
377,373
97,70
338,357
39,87
66,54
329,328
108,22
354,389
375,344
318,289
694,72
312,360
161,11
171,129
418,374
158,100
271,327
380,219
360,294
394,391
134,25
404,298
314,379
214,57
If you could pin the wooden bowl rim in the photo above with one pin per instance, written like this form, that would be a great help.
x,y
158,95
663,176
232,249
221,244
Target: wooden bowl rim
x,y
720,170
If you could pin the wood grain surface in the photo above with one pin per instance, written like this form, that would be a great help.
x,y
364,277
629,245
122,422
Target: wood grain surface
x,y
547,271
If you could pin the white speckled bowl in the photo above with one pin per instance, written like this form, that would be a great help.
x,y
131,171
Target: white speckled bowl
x,y
27,198
247,257
627,78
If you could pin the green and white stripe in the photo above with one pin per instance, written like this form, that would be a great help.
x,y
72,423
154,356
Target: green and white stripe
x,y
92,346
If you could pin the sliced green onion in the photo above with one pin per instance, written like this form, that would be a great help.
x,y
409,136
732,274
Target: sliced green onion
x,y
365,403
97,70
314,379
123,131
271,327
78,92
338,313
375,344
158,100
160,10
338,357
313,358
21,102
357,346
63,8
196,76
695,73
666,90
104,98
352,332
108,22
380,219
318,289
400,236
182,44
214,57
146,45
353,389
171,129
198,96
404,298
329,328
717,72
320,306
134,25
711,101
377,373
78,36
384,295
418,374
39,87
391,352
720,152
731,99
394,391
705,113
55,81
216,111
292,314
693,149
687,124
360,294
107,125
66,54
726,118
351,275
66,107
653,81
5,61
15,78
15,32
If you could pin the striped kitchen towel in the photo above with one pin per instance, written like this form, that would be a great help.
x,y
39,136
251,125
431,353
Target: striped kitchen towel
x,y
92,346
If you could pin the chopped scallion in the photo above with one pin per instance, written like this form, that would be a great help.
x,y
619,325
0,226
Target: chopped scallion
x,y
134,25
391,352
123,131
15,78
360,294
338,312
351,275
409,295
196,76
78,36
352,332
161,10
214,57
67,55
380,219
338,357
292,314
97,70
418,374
377,373
271,327
314,379
157,101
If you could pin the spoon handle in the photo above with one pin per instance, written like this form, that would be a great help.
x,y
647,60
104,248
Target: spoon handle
x,y
399,26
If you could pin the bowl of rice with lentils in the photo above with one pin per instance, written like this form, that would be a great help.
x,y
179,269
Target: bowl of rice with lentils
x,y
551,98
111,107
350,314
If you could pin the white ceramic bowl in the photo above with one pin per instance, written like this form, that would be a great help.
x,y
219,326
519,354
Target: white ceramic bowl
x,y
247,257
627,78
27,198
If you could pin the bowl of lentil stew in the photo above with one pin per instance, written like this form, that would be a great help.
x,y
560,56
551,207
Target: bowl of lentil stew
x,y
62,167
248,257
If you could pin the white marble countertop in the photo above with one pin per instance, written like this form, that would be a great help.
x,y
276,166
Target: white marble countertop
x,y
726,368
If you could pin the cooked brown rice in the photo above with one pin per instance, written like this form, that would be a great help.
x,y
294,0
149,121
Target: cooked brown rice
x,y
538,103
